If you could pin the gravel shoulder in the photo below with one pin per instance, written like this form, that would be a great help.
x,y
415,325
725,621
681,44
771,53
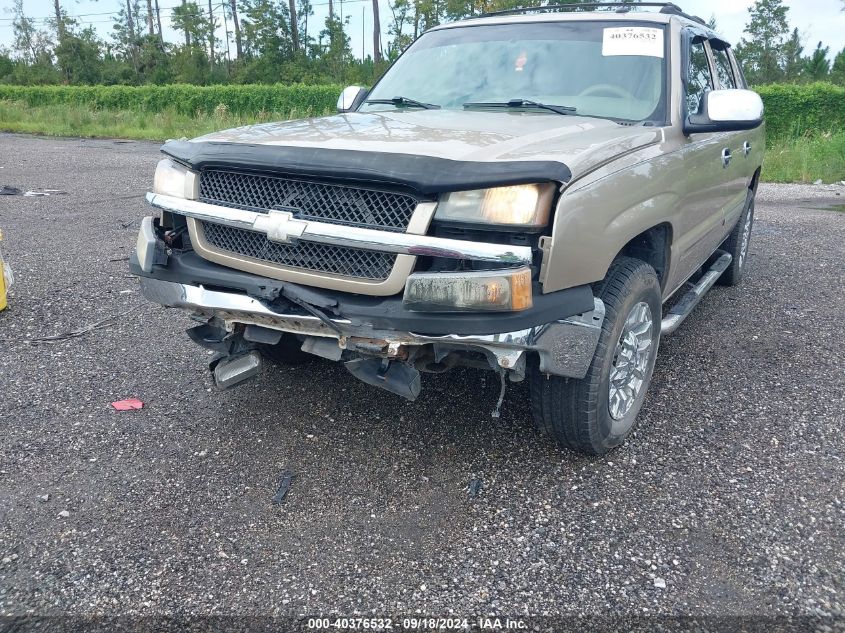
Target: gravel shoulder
x,y
730,491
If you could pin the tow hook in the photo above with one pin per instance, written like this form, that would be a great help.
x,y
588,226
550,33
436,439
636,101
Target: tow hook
x,y
233,370
236,358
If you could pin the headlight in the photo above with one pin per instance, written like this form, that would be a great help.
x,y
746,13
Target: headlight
x,y
518,205
173,179
475,291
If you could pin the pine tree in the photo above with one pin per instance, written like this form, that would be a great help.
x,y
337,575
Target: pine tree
x,y
294,27
762,53
31,45
402,17
127,34
150,25
793,54
211,25
376,33
837,73
817,66
233,5
712,24
158,22
60,23
189,19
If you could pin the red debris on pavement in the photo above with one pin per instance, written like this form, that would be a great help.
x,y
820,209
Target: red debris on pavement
x,y
128,404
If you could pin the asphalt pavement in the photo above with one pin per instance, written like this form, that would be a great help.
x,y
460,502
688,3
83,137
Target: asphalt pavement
x,y
726,501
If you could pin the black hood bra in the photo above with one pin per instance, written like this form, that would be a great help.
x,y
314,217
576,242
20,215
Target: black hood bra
x,y
426,174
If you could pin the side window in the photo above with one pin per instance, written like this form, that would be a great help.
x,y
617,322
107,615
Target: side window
x,y
699,79
740,78
723,68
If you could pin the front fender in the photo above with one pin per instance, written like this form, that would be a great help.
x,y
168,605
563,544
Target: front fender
x,y
603,211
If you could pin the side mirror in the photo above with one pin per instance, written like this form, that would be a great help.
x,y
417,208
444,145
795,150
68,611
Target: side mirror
x,y
727,111
350,98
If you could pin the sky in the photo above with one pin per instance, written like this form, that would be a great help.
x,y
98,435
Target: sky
x,y
818,20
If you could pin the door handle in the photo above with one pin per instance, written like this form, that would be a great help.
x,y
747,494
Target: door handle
x,y
726,157
746,148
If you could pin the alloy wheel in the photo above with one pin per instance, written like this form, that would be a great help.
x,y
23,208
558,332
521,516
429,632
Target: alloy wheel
x,y
630,361
746,237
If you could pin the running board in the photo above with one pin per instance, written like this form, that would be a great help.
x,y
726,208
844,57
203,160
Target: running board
x,y
681,310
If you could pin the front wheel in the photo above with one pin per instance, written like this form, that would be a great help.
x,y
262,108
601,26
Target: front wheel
x,y
595,414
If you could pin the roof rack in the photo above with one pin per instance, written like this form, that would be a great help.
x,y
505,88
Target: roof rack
x,y
621,7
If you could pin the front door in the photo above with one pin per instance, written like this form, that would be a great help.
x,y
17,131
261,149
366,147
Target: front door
x,y
740,144
707,166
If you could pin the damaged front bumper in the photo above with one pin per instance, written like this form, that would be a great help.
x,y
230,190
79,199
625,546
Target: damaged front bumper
x,y
564,347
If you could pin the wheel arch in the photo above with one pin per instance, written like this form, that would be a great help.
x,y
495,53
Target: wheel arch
x,y
654,247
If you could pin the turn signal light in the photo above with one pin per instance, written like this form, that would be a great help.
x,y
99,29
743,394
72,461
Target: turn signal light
x,y
503,290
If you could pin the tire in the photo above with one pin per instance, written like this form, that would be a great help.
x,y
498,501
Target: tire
x,y
737,244
577,413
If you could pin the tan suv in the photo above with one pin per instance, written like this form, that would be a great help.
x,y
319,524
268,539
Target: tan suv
x,y
521,192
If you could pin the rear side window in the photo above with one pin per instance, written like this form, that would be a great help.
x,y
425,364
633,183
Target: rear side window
x,y
699,80
740,78
723,68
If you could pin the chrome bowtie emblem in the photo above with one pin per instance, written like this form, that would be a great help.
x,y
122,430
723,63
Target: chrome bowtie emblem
x,y
280,226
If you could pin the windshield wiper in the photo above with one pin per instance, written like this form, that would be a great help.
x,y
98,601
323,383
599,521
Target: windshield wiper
x,y
405,101
521,103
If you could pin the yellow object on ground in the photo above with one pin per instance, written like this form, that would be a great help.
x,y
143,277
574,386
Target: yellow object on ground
x,y
3,274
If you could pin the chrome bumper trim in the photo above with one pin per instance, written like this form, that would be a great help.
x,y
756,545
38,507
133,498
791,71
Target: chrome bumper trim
x,y
281,226
565,347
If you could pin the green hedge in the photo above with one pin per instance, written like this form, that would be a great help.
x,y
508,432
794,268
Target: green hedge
x,y
791,110
797,110
185,99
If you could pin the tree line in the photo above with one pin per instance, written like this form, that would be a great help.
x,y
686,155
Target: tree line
x,y
277,41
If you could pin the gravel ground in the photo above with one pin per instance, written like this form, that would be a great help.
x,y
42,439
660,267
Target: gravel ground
x,y
730,492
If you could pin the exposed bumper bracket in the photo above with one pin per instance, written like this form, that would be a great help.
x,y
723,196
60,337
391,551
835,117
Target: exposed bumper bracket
x,y
565,347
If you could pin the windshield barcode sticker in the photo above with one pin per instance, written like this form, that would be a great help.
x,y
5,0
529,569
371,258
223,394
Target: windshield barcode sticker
x,y
633,40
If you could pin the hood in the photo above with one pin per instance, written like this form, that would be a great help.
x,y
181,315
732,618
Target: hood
x,y
578,142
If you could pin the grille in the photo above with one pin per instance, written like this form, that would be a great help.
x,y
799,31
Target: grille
x,y
337,260
335,204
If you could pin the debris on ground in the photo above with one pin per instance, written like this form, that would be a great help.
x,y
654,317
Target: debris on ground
x,y
99,325
5,190
44,192
285,481
127,405
497,412
64,514
660,583
474,488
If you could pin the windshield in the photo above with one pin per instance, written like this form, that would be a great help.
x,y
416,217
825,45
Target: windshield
x,y
612,70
